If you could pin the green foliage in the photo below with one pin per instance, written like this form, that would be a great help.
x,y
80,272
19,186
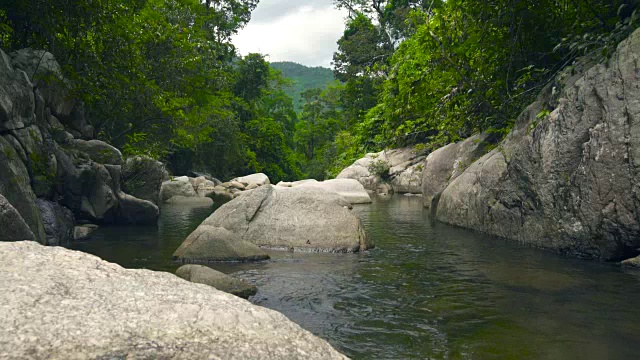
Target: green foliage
x,y
303,78
379,168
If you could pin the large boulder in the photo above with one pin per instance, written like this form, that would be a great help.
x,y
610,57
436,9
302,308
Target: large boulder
x,y
350,189
15,185
58,303
299,219
142,177
205,275
566,178
447,163
17,103
130,209
12,225
98,151
58,222
401,168
259,179
171,188
219,194
214,244
39,159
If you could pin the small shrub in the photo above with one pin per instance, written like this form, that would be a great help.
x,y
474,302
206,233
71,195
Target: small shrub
x,y
380,168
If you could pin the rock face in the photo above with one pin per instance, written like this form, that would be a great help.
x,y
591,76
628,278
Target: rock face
x,y
40,158
299,219
15,186
349,189
211,244
49,293
58,222
569,181
402,170
447,163
223,282
12,225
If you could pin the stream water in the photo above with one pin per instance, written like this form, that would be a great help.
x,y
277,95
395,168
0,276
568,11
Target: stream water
x,y
427,291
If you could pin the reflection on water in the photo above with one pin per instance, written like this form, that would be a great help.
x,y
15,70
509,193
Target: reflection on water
x,y
427,291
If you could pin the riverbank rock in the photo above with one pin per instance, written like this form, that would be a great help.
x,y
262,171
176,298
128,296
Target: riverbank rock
x,y
17,104
205,275
15,185
633,262
142,177
349,189
176,187
12,225
299,219
447,163
259,179
215,244
566,178
98,151
58,303
83,232
58,222
400,168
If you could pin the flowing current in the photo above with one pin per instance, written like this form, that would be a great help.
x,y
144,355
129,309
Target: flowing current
x,y
428,290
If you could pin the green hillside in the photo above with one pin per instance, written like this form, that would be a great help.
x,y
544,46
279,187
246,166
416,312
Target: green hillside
x,y
304,78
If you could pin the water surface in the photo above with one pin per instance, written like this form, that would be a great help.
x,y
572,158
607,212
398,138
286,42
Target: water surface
x,y
428,291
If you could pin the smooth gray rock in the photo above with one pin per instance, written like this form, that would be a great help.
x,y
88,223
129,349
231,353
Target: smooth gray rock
x,y
175,187
219,195
82,232
259,179
40,161
142,177
12,225
15,185
447,163
58,303
58,222
299,219
633,262
205,275
98,151
567,181
404,174
17,103
350,189
215,244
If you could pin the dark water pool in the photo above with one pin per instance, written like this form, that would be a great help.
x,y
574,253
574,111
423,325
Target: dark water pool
x,y
428,291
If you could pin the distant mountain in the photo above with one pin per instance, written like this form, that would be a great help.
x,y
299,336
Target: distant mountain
x,y
304,78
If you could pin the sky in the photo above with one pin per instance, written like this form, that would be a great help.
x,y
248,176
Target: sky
x,y
302,31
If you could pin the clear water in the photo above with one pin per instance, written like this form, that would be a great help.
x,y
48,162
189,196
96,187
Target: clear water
x,y
428,291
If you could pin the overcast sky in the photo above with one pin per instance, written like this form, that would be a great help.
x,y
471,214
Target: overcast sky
x,y
303,31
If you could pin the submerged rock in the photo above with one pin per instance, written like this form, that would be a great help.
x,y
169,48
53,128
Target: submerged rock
x,y
58,303
82,232
299,219
210,244
205,275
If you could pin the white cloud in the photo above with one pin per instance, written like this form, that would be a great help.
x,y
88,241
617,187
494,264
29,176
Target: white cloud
x,y
305,33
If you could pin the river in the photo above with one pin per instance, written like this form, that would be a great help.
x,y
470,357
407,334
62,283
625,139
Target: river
x,y
428,290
